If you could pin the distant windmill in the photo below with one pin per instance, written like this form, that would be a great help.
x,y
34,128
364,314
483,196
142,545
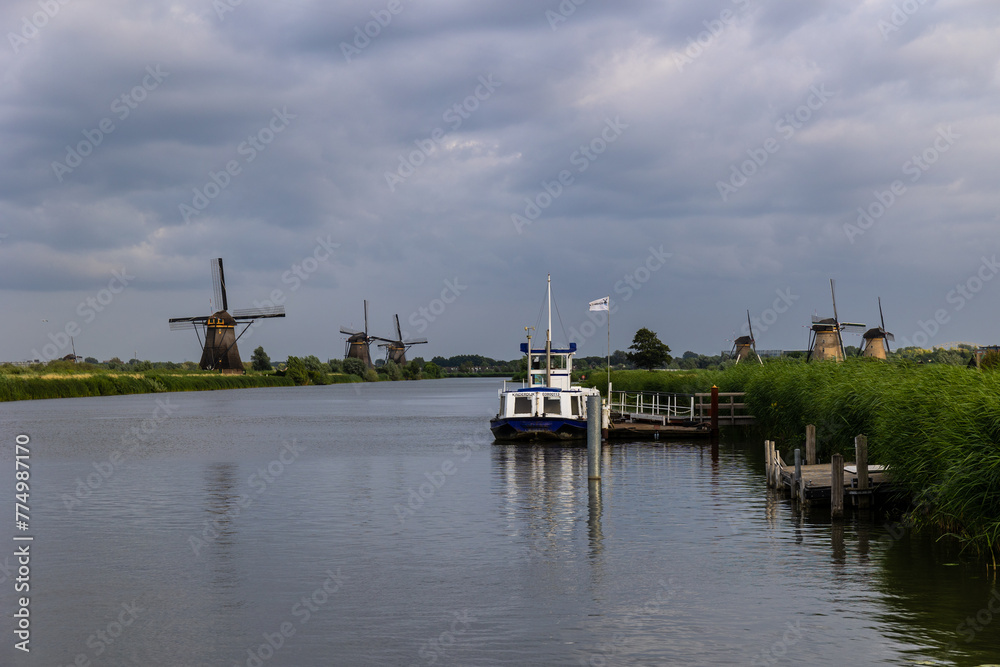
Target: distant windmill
x,y
359,341
876,343
825,338
219,351
745,347
395,350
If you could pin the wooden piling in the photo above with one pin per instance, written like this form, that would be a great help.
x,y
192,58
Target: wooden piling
x,y
861,457
797,480
837,486
714,414
810,444
767,462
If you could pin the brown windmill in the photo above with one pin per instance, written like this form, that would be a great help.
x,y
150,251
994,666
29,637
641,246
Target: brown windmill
x,y
825,338
877,339
395,350
219,351
358,342
745,347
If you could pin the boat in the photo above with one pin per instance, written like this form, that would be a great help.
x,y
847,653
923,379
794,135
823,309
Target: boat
x,y
546,406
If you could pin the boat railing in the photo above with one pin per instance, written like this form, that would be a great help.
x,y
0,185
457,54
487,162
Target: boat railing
x,y
653,403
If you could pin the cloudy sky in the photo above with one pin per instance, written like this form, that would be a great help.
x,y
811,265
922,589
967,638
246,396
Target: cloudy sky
x,y
693,160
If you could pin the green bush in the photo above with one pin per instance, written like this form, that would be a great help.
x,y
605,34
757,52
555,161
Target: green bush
x,y
354,366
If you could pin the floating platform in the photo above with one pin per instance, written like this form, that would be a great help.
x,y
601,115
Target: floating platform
x,y
642,426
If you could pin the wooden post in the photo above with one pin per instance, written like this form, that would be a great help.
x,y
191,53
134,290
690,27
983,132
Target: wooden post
x,y
861,456
837,486
767,462
715,412
797,480
810,444
593,437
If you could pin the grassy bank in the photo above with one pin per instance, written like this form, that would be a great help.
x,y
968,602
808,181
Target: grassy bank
x,y
937,427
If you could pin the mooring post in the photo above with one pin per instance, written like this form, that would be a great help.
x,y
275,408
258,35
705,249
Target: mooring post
x,y
798,474
714,414
767,462
861,457
593,437
810,444
837,486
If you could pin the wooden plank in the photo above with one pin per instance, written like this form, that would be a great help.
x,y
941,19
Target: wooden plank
x,y
837,486
810,444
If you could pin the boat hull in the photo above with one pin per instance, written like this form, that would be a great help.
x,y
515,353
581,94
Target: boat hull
x,y
528,429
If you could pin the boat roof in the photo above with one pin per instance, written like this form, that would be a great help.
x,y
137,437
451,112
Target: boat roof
x,y
570,350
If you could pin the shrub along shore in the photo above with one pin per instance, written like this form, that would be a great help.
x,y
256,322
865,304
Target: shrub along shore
x,y
936,426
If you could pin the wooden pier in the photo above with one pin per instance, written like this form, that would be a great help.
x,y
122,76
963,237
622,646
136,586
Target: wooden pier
x,y
860,484
650,414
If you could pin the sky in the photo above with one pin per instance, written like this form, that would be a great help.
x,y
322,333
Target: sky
x,y
691,160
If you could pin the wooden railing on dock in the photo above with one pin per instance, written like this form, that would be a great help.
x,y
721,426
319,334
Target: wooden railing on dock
x,y
732,409
662,407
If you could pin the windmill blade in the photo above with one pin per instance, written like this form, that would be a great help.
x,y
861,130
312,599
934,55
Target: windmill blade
x,y
351,332
219,284
880,317
853,327
399,331
387,340
833,296
182,323
366,317
749,325
816,319
889,336
414,341
258,313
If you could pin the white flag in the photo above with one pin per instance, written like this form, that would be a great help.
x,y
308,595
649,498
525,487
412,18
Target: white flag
x,y
600,304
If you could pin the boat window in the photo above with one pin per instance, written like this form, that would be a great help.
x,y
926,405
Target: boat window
x,y
575,404
552,406
522,405
558,362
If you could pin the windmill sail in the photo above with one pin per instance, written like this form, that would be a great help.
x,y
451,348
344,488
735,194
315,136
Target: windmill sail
x,y
395,350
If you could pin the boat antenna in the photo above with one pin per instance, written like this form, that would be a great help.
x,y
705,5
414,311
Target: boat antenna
x,y
548,336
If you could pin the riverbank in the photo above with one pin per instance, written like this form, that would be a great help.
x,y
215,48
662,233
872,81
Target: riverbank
x,y
26,385
936,426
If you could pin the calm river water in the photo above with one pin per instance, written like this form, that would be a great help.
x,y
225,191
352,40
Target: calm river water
x,y
377,524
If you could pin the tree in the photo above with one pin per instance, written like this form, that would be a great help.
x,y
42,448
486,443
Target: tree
x,y
296,369
649,351
354,366
335,365
91,360
313,363
431,370
393,371
260,360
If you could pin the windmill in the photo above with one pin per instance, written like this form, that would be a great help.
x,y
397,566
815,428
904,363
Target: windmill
x,y
825,338
395,350
219,351
745,347
359,341
877,339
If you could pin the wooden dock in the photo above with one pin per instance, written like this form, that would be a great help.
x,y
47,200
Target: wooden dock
x,y
857,484
649,414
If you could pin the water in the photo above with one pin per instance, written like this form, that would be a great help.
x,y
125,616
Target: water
x,y
377,524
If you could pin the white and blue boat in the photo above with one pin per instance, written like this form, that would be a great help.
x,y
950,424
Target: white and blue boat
x,y
547,406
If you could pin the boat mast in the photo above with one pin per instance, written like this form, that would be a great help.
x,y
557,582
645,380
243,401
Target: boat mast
x,y
548,337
